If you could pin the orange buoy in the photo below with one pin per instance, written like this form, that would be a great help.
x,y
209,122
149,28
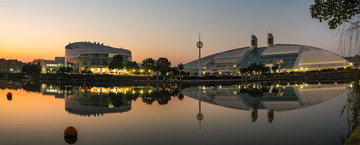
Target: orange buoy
x,y
70,131
22,80
9,96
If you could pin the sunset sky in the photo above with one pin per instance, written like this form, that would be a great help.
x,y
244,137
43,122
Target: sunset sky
x,y
155,28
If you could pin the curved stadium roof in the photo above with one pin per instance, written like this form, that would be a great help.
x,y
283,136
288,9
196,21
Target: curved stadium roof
x,y
74,50
293,57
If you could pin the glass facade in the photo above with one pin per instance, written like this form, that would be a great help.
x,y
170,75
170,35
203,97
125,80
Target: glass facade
x,y
287,60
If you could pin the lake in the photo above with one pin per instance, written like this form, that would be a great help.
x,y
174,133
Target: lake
x,y
253,113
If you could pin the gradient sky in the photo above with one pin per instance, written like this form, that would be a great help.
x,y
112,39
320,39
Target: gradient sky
x,y
155,28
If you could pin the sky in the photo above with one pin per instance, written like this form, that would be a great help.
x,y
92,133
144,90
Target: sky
x,y
40,29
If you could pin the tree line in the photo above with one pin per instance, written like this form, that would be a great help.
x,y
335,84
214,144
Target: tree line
x,y
161,67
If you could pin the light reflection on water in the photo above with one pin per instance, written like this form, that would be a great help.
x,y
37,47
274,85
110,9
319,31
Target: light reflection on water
x,y
174,114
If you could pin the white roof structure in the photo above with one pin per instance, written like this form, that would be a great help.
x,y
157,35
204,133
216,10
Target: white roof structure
x,y
293,57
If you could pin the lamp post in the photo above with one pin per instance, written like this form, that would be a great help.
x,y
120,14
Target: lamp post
x,y
199,45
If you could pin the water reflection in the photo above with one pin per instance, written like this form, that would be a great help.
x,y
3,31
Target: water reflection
x,y
225,110
274,98
9,96
70,135
97,101
199,116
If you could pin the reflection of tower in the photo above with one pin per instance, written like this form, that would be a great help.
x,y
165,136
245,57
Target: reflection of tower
x,y
199,116
270,116
254,114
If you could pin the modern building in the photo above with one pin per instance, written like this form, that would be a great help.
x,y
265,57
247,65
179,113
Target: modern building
x,y
290,57
93,56
50,66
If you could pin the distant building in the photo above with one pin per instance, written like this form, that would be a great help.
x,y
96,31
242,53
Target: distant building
x,y
94,56
290,57
50,66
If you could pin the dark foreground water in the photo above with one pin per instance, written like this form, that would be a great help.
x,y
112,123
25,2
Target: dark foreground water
x,y
170,114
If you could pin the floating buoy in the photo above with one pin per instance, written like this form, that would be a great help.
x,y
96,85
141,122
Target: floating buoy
x,y
22,80
9,96
70,131
70,135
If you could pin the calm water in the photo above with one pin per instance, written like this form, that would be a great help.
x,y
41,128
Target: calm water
x,y
230,114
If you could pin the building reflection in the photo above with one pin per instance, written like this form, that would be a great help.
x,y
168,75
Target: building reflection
x,y
54,90
97,101
274,98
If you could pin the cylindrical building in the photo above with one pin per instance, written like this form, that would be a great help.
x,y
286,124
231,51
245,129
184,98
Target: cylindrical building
x,y
93,56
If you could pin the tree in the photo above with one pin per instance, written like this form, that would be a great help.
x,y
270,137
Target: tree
x,y
343,14
31,69
149,65
162,66
274,68
132,66
336,12
181,68
117,62
243,70
63,70
174,71
351,107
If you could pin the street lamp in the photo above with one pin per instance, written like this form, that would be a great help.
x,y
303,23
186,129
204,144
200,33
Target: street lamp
x,y
199,45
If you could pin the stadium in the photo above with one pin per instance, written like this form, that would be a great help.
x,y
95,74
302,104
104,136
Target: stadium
x,y
94,56
288,58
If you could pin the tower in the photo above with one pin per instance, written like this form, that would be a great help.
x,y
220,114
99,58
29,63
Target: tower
x,y
199,45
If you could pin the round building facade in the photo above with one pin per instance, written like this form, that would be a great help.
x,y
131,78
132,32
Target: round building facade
x,y
93,56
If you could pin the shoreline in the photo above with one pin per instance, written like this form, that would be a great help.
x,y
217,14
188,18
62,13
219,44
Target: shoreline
x,y
341,75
